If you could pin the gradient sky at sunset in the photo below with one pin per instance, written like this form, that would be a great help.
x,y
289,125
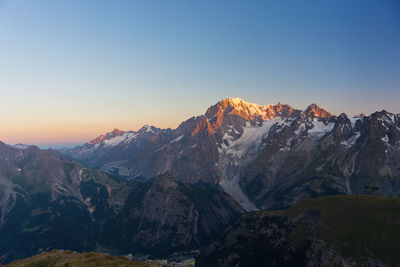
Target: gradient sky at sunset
x,y
71,70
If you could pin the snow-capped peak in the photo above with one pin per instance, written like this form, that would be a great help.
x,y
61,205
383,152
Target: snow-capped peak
x,y
247,110
236,101
117,137
107,136
147,128
246,107
21,146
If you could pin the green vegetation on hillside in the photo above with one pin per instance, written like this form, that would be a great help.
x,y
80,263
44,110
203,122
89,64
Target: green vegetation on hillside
x,y
359,227
338,230
65,258
2,192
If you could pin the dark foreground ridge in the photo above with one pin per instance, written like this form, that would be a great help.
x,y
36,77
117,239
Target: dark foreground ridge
x,y
328,231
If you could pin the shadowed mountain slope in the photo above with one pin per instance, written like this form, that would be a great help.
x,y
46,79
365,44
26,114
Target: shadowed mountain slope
x,y
50,201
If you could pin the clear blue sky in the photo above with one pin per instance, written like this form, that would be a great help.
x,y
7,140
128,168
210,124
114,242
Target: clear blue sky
x,y
70,70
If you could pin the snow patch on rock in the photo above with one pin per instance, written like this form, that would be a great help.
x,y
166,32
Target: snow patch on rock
x,y
237,155
176,139
320,128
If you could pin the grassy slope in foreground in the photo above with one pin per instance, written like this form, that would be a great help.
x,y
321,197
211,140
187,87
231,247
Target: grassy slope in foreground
x,y
60,258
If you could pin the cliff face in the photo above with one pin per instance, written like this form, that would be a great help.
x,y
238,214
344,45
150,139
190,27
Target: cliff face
x,y
164,216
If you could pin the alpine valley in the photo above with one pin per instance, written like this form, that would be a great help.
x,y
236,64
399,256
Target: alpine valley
x,y
242,185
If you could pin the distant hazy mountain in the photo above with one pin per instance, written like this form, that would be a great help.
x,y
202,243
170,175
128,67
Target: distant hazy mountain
x,y
269,156
21,146
50,201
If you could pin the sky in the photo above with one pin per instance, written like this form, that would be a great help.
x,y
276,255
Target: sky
x,y
72,70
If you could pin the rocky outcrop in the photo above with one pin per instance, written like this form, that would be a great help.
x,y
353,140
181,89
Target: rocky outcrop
x,y
314,110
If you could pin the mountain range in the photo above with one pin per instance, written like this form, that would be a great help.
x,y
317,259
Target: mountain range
x,y
155,192
269,156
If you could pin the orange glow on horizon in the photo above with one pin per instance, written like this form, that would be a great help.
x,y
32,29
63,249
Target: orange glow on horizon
x,y
40,133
